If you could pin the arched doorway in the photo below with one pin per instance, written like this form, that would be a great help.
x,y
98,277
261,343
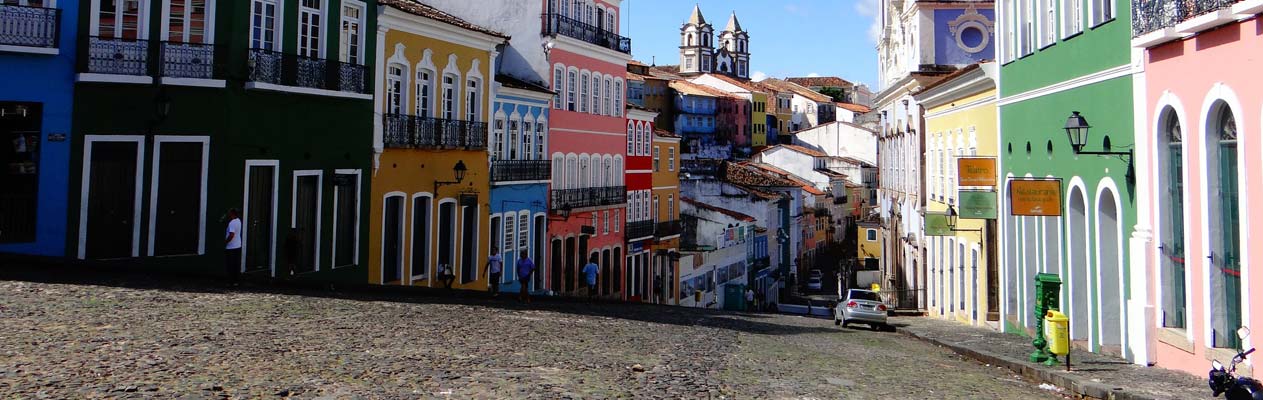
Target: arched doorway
x,y
554,269
1030,263
1224,223
1110,270
1078,293
570,261
1011,294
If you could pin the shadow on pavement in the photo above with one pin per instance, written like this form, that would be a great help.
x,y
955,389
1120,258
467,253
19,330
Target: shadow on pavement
x,y
132,278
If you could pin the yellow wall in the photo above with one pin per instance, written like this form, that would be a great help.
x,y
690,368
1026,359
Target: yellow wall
x,y
758,119
868,248
410,172
982,120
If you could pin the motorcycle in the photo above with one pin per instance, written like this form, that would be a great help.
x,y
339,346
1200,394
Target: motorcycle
x,y
1224,380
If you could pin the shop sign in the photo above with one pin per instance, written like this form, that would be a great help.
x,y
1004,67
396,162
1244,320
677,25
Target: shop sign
x,y
936,225
976,171
978,204
1035,197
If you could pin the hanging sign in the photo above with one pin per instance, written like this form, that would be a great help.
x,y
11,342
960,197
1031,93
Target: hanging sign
x,y
936,225
976,171
1035,197
978,204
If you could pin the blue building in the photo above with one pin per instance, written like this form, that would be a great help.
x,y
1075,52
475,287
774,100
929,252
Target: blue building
x,y
37,57
696,120
520,173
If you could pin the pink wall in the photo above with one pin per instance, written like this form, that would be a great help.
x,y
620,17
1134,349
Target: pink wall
x,y
1190,75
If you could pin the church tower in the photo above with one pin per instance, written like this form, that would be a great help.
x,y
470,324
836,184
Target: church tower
x,y
733,58
697,47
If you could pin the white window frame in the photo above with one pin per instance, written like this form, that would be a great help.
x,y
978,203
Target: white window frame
x,y
293,205
430,244
158,140
1071,18
278,19
359,33
401,81
1094,5
572,77
333,256
142,25
321,16
208,36
85,179
245,209
559,83
584,82
541,137
404,239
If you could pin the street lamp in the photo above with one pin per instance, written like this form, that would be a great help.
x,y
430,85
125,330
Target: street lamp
x,y
458,172
952,216
1077,132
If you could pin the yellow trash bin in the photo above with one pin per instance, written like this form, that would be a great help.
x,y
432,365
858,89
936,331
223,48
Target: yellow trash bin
x,y
1057,332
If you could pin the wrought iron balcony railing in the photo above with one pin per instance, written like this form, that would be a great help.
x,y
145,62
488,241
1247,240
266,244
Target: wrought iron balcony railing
x,y
188,60
567,199
30,26
699,167
521,170
668,228
1152,15
557,24
267,66
116,56
638,229
410,131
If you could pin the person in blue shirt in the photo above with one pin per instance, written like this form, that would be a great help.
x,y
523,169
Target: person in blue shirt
x,y
589,274
524,270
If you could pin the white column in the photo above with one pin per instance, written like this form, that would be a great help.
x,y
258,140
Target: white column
x,y
1141,323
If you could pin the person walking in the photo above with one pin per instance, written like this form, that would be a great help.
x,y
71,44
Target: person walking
x,y
657,288
749,299
589,273
446,276
524,270
494,268
232,247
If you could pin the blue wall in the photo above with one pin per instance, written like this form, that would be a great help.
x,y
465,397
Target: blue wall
x,y
49,80
948,46
517,197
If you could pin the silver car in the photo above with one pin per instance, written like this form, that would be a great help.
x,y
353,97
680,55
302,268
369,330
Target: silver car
x,y
861,306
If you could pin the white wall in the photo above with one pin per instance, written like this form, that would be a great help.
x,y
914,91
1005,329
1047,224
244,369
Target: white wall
x,y
795,163
524,58
841,140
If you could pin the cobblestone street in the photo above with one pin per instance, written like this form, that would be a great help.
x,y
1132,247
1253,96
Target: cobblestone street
x,y
62,340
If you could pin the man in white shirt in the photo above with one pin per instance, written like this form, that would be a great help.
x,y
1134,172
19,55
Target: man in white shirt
x,y
232,247
495,268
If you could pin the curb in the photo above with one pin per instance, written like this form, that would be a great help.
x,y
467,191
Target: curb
x,y
1077,386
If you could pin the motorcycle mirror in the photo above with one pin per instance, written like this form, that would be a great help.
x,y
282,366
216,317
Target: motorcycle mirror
x,y
1215,364
1243,332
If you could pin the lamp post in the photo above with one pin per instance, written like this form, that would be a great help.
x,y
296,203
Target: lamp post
x,y
952,216
458,172
1077,128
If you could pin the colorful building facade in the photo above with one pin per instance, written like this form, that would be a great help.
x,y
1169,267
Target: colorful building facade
x,y
587,140
665,248
960,121
429,219
643,161
188,109
520,172
1198,119
37,52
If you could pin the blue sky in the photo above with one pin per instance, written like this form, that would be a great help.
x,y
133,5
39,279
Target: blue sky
x,y
787,37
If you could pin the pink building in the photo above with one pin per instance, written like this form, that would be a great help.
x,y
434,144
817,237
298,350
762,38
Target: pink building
x,y
587,199
1199,115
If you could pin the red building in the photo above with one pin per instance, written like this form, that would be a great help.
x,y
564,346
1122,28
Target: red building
x,y
587,136
642,161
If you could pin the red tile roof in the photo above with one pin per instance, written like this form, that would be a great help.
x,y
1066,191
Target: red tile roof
x,y
724,211
800,149
807,186
797,89
665,133
821,81
689,88
854,107
415,8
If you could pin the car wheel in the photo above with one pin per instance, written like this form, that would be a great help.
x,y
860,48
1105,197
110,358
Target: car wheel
x,y
844,323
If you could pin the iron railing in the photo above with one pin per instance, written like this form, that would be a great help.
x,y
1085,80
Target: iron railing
x,y
267,66
410,131
903,299
567,199
557,24
521,170
1152,15
30,26
668,228
639,229
699,167
187,60
116,56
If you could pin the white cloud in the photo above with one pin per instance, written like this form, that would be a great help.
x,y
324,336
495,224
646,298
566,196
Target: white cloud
x,y
758,76
870,8
813,75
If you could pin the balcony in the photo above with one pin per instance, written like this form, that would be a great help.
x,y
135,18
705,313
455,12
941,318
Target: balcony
x,y
557,24
668,228
1149,16
409,131
639,230
568,199
699,167
273,68
116,56
521,170
187,60
29,29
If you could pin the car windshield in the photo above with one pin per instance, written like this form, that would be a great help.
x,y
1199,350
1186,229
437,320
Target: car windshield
x,y
814,280
864,295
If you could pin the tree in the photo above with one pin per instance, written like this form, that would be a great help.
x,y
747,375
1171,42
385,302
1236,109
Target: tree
x,y
838,95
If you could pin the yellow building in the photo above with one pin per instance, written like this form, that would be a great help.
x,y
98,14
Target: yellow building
x,y
430,181
758,119
667,228
960,118
868,243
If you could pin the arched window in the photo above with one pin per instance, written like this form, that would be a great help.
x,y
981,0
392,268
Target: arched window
x,y
596,93
395,84
606,97
515,131
449,96
424,94
618,170
571,84
558,84
528,138
610,174
541,125
583,92
572,171
559,170
690,39
618,98
631,136
598,173
1225,256
1171,180
497,136
585,171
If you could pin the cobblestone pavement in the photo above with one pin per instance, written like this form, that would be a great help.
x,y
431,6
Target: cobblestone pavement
x,y
61,340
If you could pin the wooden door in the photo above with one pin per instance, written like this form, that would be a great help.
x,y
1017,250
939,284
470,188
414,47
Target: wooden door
x,y
111,200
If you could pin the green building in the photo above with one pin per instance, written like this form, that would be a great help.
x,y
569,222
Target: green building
x,y
1061,57
186,108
